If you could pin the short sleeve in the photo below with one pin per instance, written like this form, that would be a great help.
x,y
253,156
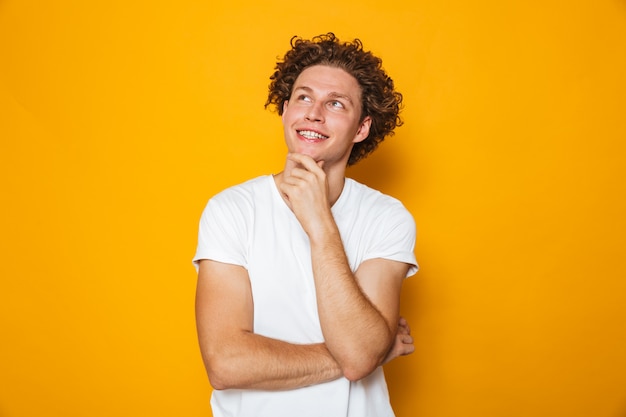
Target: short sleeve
x,y
222,231
395,238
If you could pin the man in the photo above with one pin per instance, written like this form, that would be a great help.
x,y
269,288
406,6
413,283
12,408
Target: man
x,y
299,273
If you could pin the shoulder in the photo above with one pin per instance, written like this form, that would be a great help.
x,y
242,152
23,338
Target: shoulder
x,y
244,191
239,200
377,209
235,206
372,199
246,194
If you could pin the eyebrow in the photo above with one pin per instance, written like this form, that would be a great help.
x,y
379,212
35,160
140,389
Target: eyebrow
x,y
332,94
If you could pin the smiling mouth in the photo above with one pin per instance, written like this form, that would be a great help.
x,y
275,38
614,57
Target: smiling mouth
x,y
309,135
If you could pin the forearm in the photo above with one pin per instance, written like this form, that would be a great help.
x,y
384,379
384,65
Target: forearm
x,y
356,333
234,356
358,313
251,361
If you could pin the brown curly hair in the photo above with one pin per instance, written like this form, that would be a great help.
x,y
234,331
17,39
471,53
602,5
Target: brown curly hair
x,y
379,99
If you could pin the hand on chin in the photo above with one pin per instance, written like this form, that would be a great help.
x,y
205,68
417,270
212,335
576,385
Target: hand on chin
x,y
301,160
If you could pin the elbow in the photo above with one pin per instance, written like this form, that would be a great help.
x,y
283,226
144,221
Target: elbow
x,y
358,370
225,367
216,379
360,362
217,384
221,375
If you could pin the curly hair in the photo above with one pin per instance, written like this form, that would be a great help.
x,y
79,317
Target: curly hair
x,y
379,100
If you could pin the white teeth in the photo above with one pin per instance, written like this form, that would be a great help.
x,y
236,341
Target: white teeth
x,y
311,135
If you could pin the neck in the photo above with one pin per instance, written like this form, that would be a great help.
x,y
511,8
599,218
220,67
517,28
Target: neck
x,y
336,182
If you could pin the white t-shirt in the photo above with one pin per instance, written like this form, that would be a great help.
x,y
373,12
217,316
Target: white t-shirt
x,y
250,225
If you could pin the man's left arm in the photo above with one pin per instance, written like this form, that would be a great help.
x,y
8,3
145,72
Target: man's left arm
x,y
358,312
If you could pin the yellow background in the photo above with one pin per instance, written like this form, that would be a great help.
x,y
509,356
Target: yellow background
x,y
119,119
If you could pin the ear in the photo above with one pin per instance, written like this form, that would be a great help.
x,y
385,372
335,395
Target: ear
x,y
364,130
284,108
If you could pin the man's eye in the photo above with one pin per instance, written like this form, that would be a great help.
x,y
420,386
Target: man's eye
x,y
304,98
336,104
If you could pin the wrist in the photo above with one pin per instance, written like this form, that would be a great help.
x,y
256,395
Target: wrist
x,y
324,233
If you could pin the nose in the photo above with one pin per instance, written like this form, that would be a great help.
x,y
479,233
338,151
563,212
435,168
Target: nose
x,y
314,113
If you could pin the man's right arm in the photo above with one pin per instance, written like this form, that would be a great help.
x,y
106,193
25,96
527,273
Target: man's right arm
x,y
233,355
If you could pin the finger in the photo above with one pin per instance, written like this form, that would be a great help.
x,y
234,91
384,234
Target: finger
x,y
301,174
298,177
408,350
408,346
290,163
305,161
403,327
407,327
403,323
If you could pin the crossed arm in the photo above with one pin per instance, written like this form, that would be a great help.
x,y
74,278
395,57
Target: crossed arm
x,y
235,357
358,312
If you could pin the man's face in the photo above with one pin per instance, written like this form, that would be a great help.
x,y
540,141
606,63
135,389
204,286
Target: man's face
x,y
321,118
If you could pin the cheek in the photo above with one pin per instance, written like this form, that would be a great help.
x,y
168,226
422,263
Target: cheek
x,y
291,115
